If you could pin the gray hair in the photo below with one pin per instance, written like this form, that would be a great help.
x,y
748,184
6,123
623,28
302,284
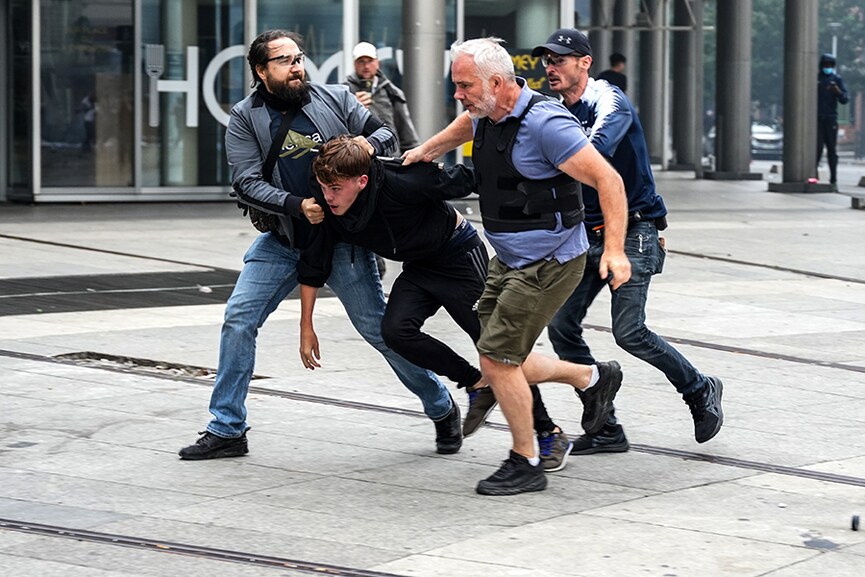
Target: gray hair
x,y
489,55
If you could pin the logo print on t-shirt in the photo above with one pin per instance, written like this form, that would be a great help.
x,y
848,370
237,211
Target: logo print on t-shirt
x,y
297,145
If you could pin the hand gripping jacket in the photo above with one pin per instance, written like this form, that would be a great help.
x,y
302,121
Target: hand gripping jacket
x,y
509,201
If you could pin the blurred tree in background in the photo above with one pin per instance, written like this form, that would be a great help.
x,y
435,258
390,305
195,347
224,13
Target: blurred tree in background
x,y
767,50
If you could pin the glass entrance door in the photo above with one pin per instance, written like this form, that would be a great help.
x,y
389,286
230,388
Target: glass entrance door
x,y
86,93
191,76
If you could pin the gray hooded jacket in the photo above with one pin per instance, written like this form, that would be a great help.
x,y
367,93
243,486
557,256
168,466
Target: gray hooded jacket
x,y
390,106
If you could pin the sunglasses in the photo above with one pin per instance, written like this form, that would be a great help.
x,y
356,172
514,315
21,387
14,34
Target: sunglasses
x,y
556,60
287,59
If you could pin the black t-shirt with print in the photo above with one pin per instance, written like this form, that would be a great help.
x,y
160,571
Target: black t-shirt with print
x,y
295,163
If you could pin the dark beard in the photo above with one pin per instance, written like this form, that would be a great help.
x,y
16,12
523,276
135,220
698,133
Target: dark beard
x,y
291,96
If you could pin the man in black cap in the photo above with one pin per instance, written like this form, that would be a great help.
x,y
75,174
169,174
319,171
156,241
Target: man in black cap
x,y
614,128
566,41
830,92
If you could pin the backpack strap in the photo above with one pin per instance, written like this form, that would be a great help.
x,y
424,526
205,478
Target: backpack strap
x,y
275,146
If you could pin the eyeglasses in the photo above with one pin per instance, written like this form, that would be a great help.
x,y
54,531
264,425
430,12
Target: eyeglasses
x,y
287,59
556,60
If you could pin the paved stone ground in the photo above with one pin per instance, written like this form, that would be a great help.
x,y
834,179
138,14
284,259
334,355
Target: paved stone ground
x,y
765,290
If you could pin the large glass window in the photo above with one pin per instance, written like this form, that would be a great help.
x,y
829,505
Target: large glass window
x,y
320,24
522,25
192,76
381,25
86,94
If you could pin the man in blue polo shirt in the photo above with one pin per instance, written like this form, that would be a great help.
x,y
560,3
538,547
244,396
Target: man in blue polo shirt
x,y
613,127
529,154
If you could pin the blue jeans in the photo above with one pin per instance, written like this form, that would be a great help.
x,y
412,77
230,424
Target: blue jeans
x,y
628,310
269,274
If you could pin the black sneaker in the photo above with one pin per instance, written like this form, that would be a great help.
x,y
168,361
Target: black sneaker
x,y
706,410
515,476
481,404
610,439
449,436
210,446
598,400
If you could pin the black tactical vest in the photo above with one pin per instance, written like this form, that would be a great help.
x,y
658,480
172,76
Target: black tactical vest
x,y
509,201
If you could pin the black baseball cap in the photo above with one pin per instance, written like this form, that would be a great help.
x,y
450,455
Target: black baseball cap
x,y
565,41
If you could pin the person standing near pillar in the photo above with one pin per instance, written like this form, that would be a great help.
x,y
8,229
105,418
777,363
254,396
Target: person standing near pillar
x,y
830,92
381,96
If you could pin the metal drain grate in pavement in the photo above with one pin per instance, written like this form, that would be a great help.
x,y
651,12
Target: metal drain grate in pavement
x,y
139,366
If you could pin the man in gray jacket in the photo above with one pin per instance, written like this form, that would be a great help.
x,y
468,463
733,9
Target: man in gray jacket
x,y
299,116
381,96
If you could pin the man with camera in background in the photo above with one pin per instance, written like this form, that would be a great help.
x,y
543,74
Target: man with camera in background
x,y
381,96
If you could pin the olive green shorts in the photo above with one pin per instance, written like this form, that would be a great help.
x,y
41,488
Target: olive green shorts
x,y
517,304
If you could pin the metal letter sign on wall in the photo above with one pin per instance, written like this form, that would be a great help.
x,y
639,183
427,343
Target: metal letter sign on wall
x,y
154,67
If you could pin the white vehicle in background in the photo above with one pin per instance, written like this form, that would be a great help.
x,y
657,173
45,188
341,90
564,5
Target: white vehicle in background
x,y
767,142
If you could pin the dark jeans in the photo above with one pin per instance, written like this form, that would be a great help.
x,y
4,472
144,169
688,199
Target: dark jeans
x,y
628,310
827,134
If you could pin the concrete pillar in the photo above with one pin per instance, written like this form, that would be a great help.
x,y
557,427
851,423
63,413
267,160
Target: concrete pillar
x,y
687,119
859,114
601,36
624,41
423,29
651,100
350,35
179,164
535,21
800,99
733,92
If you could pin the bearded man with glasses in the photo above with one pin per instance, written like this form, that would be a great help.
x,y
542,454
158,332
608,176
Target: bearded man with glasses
x,y
270,142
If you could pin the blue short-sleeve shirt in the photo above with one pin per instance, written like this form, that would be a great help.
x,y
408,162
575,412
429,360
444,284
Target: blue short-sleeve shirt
x,y
547,137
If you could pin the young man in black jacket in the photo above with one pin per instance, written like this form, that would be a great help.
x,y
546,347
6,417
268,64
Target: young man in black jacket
x,y
401,212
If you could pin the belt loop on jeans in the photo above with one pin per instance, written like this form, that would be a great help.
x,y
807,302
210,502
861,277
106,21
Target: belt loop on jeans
x,y
633,218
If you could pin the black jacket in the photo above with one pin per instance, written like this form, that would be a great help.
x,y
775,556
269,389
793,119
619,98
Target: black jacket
x,y
390,106
401,215
830,92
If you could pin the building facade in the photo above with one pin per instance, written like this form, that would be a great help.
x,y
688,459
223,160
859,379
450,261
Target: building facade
x,y
127,100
